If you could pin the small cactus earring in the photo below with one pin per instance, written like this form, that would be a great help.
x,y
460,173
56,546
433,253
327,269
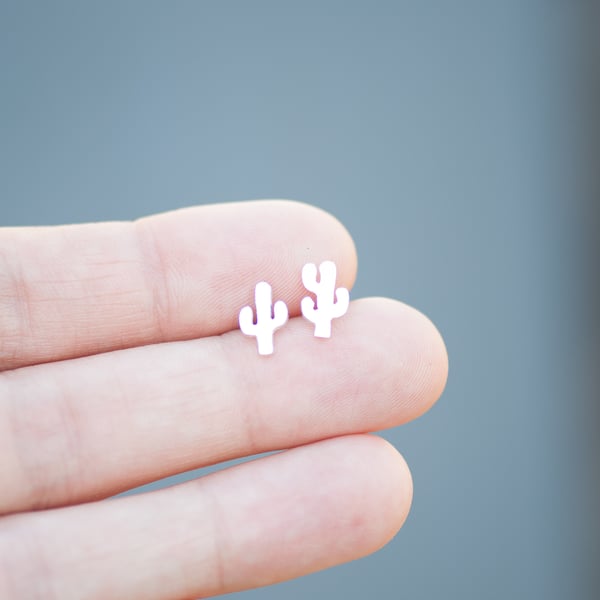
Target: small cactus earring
x,y
268,318
325,308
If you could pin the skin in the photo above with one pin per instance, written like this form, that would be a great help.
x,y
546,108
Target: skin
x,y
121,363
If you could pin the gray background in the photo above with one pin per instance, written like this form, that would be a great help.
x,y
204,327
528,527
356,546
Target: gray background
x,y
452,138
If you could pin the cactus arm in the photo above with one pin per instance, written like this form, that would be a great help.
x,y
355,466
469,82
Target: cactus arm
x,y
246,321
309,277
280,314
340,307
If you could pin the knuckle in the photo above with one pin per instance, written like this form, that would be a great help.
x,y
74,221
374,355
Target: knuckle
x,y
15,314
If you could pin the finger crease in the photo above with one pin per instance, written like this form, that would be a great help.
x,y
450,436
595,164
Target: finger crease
x,y
153,263
16,317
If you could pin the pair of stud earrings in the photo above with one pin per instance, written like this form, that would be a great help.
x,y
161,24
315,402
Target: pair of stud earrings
x,y
330,304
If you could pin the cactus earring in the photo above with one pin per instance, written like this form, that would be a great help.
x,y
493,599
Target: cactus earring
x,y
326,308
266,323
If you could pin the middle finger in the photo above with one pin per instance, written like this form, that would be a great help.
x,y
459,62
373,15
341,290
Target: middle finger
x,y
88,428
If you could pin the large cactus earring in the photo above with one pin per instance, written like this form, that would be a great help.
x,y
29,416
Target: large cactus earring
x,y
268,318
325,308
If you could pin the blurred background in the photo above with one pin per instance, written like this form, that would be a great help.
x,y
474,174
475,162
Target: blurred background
x,y
457,141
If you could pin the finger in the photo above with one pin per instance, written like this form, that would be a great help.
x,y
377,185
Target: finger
x,y
252,525
81,289
92,427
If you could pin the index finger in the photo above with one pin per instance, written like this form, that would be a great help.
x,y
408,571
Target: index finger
x,y
82,289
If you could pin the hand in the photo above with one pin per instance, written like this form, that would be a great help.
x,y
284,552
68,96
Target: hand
x,y
122,363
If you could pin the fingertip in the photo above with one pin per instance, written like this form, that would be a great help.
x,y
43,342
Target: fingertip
x,y
415,356
432,358
325,226
395,496
421,356
378,487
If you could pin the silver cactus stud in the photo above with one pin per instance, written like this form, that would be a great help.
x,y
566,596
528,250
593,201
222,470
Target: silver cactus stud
x,y
269,318
326,308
